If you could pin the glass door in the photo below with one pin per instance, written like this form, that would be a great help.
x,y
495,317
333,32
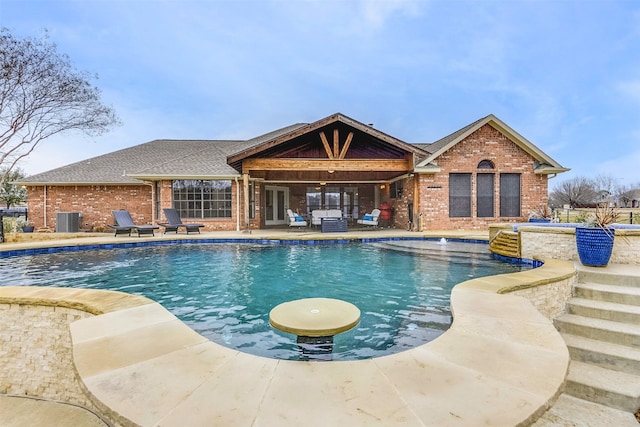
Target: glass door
x,y
350,203
276,205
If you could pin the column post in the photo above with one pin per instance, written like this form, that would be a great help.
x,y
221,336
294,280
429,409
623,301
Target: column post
x,y
245,186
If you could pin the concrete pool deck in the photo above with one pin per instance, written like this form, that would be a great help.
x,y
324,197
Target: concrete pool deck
x,y
501,363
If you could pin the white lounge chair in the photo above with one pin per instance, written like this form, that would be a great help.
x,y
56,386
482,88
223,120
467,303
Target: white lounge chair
x,y
296,220
370,220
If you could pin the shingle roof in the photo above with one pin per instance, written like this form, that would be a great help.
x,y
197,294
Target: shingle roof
x,y
435,146
155,159
159,157
207,159
546,164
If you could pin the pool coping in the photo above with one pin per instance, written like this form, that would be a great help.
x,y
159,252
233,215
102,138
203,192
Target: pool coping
x,y
501,362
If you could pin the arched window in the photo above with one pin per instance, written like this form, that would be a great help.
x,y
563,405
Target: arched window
x,y
486,164
485,187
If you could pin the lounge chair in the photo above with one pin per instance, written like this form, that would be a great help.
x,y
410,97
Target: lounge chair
x,y
370,220
174,222
124,224
296,220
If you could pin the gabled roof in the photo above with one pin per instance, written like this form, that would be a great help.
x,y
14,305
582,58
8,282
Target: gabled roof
x,y
281,137
546,165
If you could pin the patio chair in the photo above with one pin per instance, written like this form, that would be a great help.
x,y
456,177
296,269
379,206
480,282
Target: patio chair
x,y
175,222
124,224
296,220
370,220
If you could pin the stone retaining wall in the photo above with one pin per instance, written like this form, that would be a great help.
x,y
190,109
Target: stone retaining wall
x,y
550,299
36,353
560,243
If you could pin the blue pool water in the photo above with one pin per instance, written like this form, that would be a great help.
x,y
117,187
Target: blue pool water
x,y
226,291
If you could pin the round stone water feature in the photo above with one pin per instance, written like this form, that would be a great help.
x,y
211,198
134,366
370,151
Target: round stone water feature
x,y
315,321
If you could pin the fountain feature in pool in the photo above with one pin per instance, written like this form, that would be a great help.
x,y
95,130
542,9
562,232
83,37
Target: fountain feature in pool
x,y
226,291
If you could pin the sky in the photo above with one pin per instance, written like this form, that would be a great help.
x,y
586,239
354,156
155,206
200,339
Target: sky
x,y
564,74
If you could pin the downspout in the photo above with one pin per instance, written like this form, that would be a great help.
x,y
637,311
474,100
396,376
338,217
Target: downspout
x,y
45,206
237,204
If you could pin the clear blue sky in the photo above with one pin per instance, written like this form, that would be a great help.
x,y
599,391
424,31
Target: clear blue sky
x,y
565,74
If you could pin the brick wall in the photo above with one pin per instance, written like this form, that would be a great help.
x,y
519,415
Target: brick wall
x,y
94,202
400,204
486,143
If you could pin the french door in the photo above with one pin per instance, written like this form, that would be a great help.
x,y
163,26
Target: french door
x,y
276,205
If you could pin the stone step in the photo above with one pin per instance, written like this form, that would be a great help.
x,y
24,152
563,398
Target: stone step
x,y
598,329
506,244
603,386
607,277
605,310
569,411
604,354
610,293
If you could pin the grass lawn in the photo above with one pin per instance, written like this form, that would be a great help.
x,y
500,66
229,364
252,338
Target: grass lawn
x,y
625,215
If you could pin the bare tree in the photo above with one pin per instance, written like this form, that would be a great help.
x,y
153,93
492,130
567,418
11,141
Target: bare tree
x,y
606,186
575,192
42,95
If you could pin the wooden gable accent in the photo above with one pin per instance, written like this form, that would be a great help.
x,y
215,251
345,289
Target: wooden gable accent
x,y
330,150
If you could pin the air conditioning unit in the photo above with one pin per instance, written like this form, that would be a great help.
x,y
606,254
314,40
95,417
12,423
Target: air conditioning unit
x,y
67,222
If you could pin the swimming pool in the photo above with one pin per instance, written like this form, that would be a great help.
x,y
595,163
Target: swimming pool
x,y
225,291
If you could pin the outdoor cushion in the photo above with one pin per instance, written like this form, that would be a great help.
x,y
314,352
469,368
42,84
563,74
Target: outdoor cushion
x,y
368,217
299,218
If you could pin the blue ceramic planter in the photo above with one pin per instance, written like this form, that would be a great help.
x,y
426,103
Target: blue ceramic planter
x,y
594,245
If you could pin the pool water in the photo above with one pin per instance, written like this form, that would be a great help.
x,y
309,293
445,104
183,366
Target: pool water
x,y
226,291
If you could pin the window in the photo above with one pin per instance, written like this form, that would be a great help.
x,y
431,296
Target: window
x,y
252,200
509,194
332,198
202,199
395,189
343,198
484,195
459,195
486,164
314,199
350,202
157,188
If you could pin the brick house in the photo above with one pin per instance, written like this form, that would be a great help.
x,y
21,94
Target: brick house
x,y
481,174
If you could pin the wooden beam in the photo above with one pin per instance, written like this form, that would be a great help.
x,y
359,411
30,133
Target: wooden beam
x,y
336,143
368,165
346,146
323,137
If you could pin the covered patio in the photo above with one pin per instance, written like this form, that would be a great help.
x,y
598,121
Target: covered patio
x,y
335,163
